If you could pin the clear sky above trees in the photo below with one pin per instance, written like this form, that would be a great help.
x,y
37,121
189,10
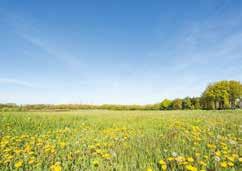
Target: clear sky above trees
x,y
116,51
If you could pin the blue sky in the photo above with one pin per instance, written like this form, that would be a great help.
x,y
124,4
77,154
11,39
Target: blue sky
x,y
116,51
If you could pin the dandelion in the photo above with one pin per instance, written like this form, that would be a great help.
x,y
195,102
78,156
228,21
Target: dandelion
x,y
62,145
230,164
191,168
202,163
31,161
190,159
211,146
180,159
56,167
162,162
164,167
224,164
224,152
231,158
170,158
18,164
218,153
106,156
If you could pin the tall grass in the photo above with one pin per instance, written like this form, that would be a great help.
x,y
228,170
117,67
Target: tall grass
x,y
121,140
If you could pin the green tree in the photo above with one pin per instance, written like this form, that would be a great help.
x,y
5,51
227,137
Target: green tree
x,y
186,103
208,98
166,104
235,92
221,95
221,90
195,103
177,104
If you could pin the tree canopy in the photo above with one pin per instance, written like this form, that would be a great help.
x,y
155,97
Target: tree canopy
x,y
221,95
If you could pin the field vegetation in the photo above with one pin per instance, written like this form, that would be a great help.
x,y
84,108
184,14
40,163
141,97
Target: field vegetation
x,y
121,140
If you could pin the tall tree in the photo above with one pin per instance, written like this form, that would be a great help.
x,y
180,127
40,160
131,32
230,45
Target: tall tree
x,y
235,92
177,104
186,103
208,98
221,95
166,104
196,102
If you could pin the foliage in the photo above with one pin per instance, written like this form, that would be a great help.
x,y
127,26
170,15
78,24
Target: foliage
x,y
195,103
177,104
166,104
187,103
221,95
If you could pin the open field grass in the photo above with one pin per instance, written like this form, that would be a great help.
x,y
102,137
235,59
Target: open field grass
x,y
121,140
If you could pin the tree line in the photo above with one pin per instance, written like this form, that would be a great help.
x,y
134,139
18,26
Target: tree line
x,y
218,95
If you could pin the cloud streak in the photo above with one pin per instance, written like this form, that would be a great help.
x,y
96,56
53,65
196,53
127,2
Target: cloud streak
x,y
29,32
205,43
17,82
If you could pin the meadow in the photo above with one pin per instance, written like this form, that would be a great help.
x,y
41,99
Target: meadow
x,y
121,140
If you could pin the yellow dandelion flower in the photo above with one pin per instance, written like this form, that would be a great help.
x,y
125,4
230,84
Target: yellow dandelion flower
x,y
18,164
223,164
230,164
56,167
62,145
191,168
202,163
184,163
170,158
224,152
149,169
106,156
180,159
162,162
190,159
211,146
218,153
231,158
31,161
164,167
18,151
235,156
10,157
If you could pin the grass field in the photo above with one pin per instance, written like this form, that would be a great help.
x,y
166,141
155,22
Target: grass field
x,y
121,140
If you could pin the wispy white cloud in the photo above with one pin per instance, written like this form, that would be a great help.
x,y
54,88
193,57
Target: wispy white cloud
x,y
215,40
32,33
17,82
59,54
